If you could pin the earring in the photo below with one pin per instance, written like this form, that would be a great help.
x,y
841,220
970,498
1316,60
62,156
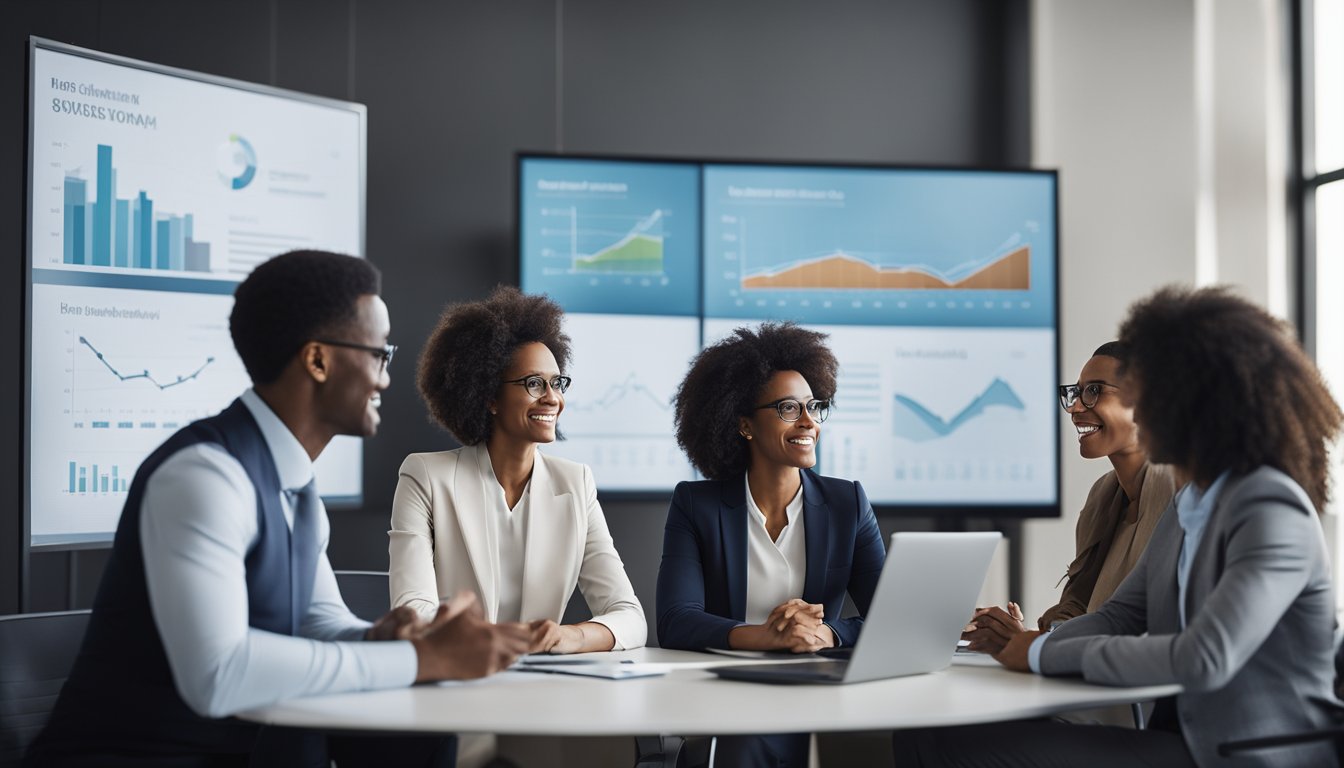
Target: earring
x,y
744,434
493,412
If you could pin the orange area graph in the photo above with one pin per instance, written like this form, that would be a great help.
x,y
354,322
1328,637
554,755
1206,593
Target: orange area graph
x,y
1012,272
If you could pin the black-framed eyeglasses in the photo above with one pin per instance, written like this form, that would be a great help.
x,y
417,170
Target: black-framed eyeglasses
x,y
1088,393
536,385
790,409
383,353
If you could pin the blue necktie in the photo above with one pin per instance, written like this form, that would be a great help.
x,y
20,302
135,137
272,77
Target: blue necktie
x,y
302,549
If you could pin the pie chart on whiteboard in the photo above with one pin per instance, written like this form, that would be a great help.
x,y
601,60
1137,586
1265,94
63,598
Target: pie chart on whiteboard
x,y
236,161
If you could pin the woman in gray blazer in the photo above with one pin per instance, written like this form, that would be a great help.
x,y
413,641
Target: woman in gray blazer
x,y
1233,598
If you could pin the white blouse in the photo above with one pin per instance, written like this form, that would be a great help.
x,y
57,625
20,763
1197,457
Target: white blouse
x,y
776,568
511,534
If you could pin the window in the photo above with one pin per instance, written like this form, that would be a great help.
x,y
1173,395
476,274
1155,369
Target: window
x,y
1319,96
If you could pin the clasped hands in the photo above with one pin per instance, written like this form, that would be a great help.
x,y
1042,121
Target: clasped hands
x,y
795,626
1002,634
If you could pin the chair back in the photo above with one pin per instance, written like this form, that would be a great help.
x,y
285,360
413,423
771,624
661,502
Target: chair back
x,y
365,593
37,651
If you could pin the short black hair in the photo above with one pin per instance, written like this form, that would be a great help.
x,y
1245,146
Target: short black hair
x,y
467,353
1113,349
1224,386
291,299
726,379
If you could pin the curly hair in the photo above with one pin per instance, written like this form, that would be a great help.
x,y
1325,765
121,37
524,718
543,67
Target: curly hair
x,y
1225,386
287,301
725,381
471,347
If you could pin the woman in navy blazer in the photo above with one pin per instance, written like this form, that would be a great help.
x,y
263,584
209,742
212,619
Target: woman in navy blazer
x,y
761,555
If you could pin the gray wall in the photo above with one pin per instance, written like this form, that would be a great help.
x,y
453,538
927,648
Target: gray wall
x,y
454,89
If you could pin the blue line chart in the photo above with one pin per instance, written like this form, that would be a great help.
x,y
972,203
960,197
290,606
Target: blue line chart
x,y
918,424
630,387
145,374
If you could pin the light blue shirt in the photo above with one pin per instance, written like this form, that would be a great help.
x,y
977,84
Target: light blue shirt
x,y
1193,508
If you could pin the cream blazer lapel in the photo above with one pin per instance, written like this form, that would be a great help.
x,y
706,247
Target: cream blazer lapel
x,y
472,513
553,548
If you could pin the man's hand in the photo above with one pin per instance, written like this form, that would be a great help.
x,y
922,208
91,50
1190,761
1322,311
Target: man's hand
x,y
1014,654
459,644
991,628
401,623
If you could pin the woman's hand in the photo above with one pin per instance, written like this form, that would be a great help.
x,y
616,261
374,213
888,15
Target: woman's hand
x,y
1014,655
549,637
794,626
992,628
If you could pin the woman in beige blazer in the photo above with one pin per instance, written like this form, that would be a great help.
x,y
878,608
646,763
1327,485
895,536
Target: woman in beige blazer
x,y
1121,511
497,517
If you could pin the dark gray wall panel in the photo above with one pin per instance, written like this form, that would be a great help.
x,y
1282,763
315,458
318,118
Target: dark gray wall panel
x,y
877,81
227,39
313,46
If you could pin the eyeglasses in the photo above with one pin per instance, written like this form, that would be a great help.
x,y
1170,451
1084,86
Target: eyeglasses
x,y
1088,393
792,410
383,353
536,385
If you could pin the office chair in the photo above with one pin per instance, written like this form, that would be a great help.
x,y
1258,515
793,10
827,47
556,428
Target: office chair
x,y
1333,733
37,651
365,593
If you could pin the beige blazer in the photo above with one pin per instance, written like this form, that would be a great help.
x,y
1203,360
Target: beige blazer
x,y
441,542
1093,576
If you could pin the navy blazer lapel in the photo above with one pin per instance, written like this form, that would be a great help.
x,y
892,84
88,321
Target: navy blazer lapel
x,y
817,529
733,533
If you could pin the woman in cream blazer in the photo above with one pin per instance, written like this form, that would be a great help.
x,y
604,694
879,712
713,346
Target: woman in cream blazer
x,y
497,517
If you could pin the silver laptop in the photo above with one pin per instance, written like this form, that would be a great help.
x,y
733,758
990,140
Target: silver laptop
x,y
925,596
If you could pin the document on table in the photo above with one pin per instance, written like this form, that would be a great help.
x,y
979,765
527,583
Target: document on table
x,y
606,670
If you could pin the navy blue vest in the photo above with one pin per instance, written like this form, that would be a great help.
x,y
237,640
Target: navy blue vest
x,y
120,697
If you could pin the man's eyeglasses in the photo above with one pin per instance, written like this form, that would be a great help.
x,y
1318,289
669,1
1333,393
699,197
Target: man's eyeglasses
x,y
1088,393
792,410
536,385
383,353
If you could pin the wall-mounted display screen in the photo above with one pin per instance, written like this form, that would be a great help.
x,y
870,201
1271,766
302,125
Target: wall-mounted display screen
x,y
152,193
937,288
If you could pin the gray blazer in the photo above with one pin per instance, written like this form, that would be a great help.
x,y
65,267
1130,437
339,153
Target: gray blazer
x,y
1257,655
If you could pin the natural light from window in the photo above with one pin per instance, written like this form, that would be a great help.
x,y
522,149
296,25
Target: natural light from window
x,y
1328,23
1329,307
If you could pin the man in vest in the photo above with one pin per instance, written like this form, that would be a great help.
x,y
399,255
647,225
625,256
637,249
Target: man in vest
x,y
218,596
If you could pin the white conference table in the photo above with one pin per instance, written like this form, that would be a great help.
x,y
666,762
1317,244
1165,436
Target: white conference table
x,y
689,700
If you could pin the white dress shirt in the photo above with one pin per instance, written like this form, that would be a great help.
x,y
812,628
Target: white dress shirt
x,y
776,568
510,530
198,519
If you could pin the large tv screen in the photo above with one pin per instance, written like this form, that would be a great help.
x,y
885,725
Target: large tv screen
x,y
937,287
152,193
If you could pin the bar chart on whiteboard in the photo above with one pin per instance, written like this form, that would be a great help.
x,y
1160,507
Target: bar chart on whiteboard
x,y
152,196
